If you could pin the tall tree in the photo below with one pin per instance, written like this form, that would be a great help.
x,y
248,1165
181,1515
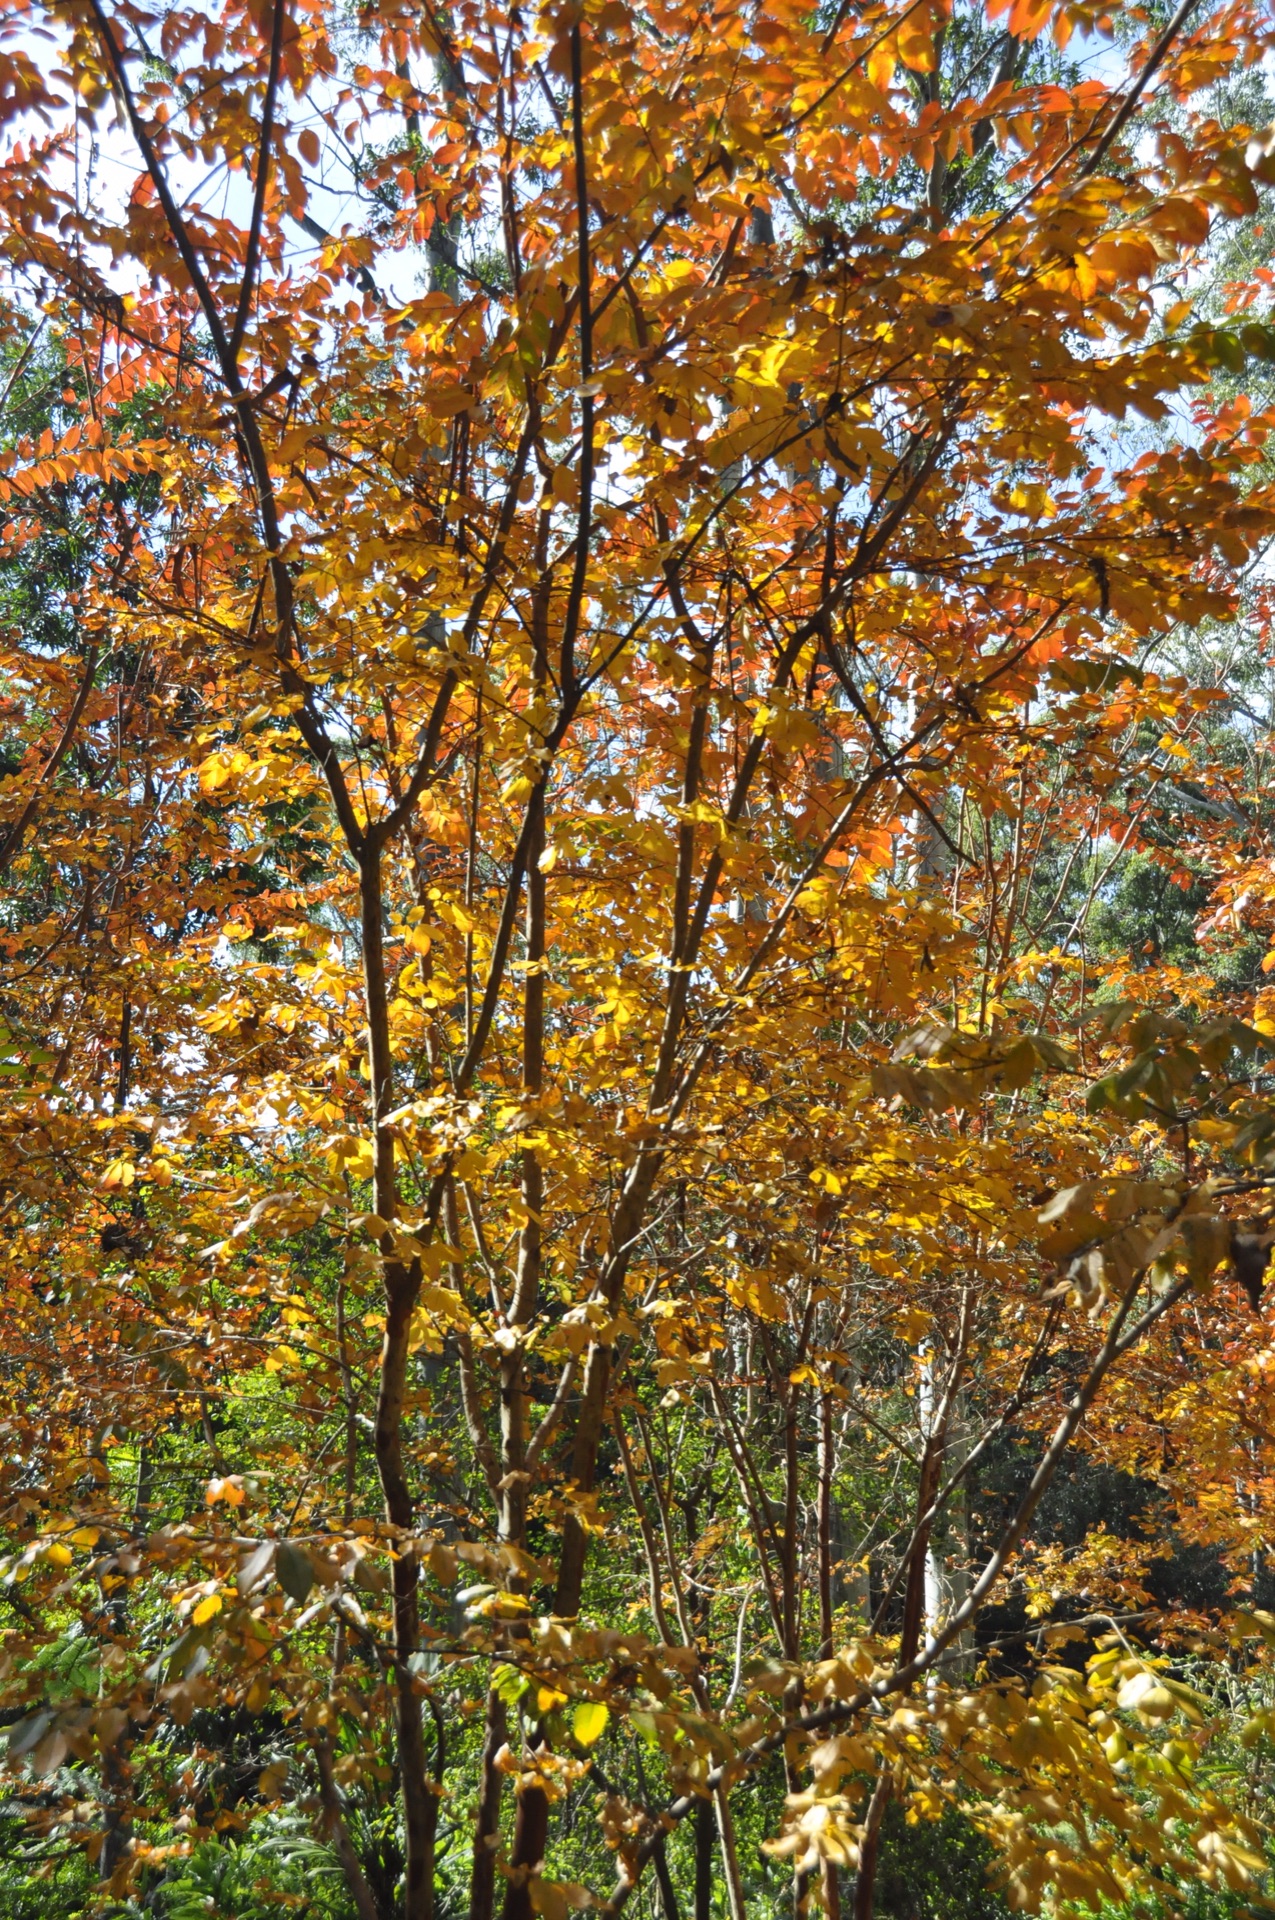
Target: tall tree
x,y
532,1044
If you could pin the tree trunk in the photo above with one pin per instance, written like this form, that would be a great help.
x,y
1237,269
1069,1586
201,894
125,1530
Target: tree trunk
x,y
870,1847
664,1880
704,1861
825,1525
531,1831
339,1834
482,1885
531,1820
402,1285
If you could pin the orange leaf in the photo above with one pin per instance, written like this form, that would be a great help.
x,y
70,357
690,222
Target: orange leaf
x,y
1027,17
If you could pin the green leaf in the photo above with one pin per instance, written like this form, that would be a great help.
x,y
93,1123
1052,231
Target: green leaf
x,y
1110,1015
28,1733
255,1566
509,1685
1101,1094
1093,676
1206,1242
293,1570
1063,1201
1051,1053
1252,1142
1259,341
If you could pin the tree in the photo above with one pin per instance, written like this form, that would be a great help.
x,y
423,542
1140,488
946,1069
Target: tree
x,y
535,1071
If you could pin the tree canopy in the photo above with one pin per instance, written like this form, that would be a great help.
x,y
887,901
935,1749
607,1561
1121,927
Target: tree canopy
x,y
637,1119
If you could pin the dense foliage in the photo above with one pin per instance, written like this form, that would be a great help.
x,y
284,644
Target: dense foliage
x,y
638,1102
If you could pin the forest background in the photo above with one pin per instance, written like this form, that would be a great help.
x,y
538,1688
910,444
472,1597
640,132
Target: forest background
x,y
637,1113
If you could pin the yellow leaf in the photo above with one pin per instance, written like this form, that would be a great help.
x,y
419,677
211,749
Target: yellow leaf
x,y
589,1722
1032,499
220,769
361,1163
913,1324
916,43
881,66
206,1609
1086,278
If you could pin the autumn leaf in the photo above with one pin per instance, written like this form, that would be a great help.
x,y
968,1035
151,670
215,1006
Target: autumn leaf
x,y
589,1722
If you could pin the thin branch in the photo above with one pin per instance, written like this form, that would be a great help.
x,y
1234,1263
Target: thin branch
x,y
548,1425
13,839
21,361
584,515
252,251
835,1713
1135,92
